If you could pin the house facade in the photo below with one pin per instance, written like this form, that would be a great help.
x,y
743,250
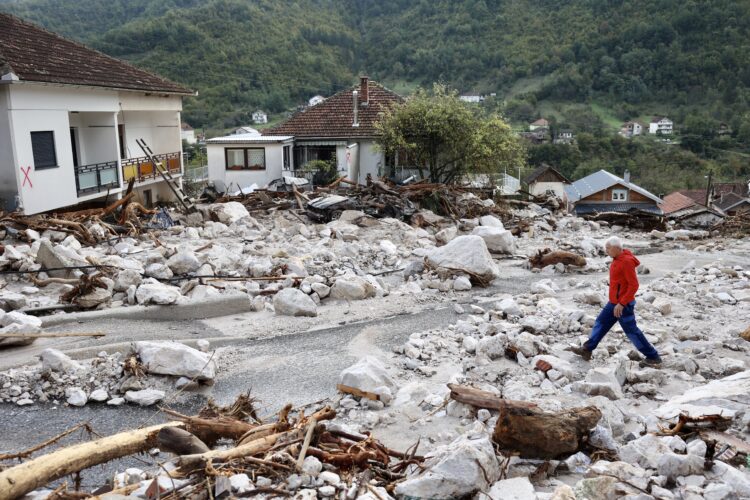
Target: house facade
x,y
545,180
631,129
69,120
259,117
241,160
564,136
188,134
661,125
540,123
340,130
606,192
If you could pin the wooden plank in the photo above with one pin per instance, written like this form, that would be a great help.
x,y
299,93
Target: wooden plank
x,y
356,392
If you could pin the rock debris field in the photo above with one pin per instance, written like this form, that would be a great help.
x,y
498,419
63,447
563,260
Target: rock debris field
x,y
490,407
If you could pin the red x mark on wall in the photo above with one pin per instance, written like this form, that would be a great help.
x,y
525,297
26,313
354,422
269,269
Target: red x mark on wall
x,y
26,176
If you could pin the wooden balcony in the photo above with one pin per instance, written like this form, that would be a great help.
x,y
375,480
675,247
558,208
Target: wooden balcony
x,y
143,170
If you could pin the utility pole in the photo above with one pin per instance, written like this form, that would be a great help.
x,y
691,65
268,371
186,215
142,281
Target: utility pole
x,y
708,187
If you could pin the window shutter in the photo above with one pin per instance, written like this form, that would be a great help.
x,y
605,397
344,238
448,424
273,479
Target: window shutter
x,y
43,147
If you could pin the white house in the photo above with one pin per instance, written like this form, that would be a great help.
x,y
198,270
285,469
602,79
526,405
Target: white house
x,y
188,134
259,117
69,120
545,180
540,123
661,125
340,130
315,100
631,129
472,98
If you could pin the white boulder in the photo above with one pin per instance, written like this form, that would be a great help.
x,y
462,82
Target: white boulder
x,y
173,358
498,240
229,212
145,397
153,292
367,374
57,361
352,288
293,302
467,255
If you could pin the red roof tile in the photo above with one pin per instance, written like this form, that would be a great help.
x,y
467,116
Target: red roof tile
x,y
34,54
697,195
333,118
676,201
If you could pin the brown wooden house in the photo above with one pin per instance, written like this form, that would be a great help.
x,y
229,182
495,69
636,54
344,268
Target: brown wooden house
x,y
606,192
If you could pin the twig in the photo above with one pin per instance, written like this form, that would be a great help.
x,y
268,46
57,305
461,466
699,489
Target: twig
x,y
306,443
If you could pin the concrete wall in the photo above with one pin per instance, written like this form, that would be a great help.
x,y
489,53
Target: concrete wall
x,y
97,137
371,161
540,188
8,178
160,130
217,165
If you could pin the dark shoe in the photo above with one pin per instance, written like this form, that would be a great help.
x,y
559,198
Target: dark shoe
x,y
650,363
582,352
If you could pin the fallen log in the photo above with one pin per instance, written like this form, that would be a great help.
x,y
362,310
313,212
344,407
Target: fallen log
x,y
484,399
548,257
262,445
357,392
28,476
210,430
534,433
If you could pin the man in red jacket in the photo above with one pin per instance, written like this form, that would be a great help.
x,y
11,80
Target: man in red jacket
x,y
623,283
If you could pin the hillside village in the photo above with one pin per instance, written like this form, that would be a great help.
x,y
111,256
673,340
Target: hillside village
x,y
324,306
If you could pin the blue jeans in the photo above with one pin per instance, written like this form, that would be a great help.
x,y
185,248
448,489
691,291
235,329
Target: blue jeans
x,y
607,320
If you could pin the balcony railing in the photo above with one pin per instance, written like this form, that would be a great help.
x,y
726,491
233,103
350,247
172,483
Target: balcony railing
x,y
96,178
142,169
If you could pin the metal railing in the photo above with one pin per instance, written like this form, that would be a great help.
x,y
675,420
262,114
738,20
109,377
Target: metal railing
x,y
142,169
196,173
96,177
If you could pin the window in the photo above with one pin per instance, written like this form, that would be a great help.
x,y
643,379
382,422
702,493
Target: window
x,y
287,157
619,195
43,147
245,158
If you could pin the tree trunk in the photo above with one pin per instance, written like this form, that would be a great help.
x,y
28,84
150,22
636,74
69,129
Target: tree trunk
x,y
533,433
484,399
28,476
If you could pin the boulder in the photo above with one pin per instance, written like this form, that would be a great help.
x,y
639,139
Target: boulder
x,y
158,271
367,374
153,292
172,358
672,465
462,284
145,397
125,278
76,397
445,235
352,288
535,324
644,451
183,263
26,322
491,221
456,470
465,255
53,257
57,361
293,302
10,301
728,393
498,240
517,488
94,298
229,212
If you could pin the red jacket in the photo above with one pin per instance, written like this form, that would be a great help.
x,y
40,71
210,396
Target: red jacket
x,y
623,281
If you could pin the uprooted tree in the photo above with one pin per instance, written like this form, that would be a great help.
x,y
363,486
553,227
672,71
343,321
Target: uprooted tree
x,y
441,136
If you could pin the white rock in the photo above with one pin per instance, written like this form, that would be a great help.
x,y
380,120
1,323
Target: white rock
x,y
158,271
491,221
509,306
173,358
12,300
312,466
241,483
498,240
76,397
352,288
294,302
99,395
57,361
460,468
203,345
183,263
644,451
25,321
535,324
367,374
664,306
697,447
229,212
731,393
321,289
153,292
738,480
330,477
327,491
465,254
445,235
461,284
672,465
116,402
145,397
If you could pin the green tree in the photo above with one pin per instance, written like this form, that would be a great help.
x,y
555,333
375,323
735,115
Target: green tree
x,y
441,134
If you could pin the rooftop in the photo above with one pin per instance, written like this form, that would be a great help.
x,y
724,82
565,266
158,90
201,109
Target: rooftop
x,y
674,202
34,54
248,138
599,181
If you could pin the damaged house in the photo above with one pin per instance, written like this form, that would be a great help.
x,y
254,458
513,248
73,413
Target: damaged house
x,y
340,130
682,208
606,192
69,120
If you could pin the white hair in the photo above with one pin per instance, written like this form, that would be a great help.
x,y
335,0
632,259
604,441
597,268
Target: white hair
x,y
613,241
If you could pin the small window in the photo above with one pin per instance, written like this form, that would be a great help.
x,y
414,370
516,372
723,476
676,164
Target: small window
x,y
287,158
43,147
245,158
619,195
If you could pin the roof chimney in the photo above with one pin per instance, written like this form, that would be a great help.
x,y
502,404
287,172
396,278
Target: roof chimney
x,y
626,176
355,104
364,90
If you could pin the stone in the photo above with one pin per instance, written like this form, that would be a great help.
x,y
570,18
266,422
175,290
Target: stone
x,y
597,488
99,395
173,358
462,284
729,393
509,307
458,469
535,324
10,301
153,292
241,483
718,491
28,323
312,466
76,396
57,361
517,488
645,451
330,477
183,263
663,306
203,345
306,494
738,480
94,298
367,374
116,402
445,235
590,297
352,288
52,257
470,344
697,447
321,289
672,465
497,239
144,397
491,221
465,254
327,491
158,271
294,302
229,212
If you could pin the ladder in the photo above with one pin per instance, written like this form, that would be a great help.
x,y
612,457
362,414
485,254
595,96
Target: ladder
x,y
173,183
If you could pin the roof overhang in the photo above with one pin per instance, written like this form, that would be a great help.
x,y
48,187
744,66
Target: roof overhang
x,y
100,87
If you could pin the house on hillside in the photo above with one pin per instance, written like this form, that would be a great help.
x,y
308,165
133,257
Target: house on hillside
x,y
246,130
471,98
539,135
606,192
631,129
688,212
661,125
340,130
187,133
260,117
69,120
314,100
540,123
564,136
546,180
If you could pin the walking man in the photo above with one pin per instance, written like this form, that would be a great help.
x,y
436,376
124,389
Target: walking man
x,y
623,283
